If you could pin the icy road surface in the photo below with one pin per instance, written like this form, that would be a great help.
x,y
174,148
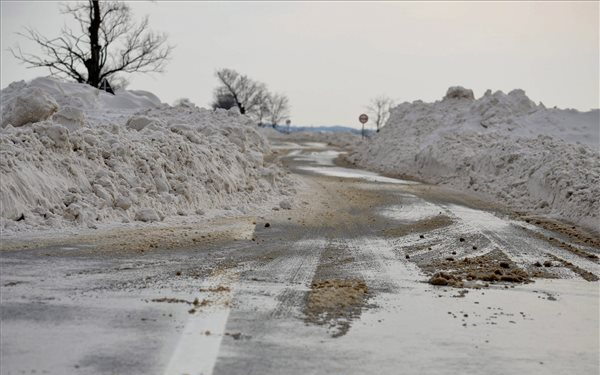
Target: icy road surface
x,y
337,285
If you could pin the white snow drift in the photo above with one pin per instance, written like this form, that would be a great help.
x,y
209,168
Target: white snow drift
x,y
74,155
504,146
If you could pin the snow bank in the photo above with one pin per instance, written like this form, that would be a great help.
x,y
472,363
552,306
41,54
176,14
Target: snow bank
x,y
503,146
92,157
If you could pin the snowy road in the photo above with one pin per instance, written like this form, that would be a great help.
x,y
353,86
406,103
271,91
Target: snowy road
x,y
338,284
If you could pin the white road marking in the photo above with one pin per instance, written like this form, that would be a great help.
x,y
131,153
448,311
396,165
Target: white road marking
x,y
198,348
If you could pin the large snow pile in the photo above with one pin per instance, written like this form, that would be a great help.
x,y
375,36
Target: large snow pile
x,y
74,155
532,158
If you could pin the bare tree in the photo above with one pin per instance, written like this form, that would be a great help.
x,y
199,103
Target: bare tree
x,y
263,110
108,42
380,110
247,94
279,108
223,99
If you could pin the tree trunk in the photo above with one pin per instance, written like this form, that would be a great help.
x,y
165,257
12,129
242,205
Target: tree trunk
x,y
93,63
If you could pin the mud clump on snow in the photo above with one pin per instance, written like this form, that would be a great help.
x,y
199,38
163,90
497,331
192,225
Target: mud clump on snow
x,y
489,268
336,301
443,278
334,296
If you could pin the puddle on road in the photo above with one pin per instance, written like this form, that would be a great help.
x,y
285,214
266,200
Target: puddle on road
x,y
324,165
355,173
324,158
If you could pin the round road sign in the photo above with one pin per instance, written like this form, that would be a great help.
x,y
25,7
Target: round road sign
x,y
363,118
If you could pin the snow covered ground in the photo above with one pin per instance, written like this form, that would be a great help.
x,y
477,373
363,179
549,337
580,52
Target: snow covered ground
x,y
75,156
503,146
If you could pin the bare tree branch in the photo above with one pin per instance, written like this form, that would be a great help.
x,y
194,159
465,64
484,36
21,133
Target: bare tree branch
x,y
109,42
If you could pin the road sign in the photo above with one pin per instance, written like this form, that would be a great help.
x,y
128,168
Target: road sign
x,y
363,120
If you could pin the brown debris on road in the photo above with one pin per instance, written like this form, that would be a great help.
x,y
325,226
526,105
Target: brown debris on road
x,y
336,301
492,267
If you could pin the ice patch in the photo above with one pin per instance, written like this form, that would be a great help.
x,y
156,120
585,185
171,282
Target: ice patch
x,y
414,211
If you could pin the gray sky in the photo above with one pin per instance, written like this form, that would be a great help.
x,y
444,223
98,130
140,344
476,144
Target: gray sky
x,y
330,58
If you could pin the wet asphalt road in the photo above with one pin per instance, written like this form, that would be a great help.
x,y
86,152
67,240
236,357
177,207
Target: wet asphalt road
x,y
244,306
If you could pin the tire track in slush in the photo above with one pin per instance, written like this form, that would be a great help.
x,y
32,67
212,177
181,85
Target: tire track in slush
x,y
520,248
382,268
499,233
268,304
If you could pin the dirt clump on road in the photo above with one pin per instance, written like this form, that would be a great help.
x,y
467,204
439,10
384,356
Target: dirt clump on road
x,y
335,296
336,301
489,268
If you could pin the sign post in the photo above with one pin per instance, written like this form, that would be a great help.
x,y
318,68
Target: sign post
x,y
363,120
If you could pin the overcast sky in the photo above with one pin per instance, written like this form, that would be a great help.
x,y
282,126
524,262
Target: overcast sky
x,y
330,58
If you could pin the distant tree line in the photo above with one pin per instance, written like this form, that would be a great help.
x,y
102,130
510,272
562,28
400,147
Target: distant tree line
x,y
252,98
